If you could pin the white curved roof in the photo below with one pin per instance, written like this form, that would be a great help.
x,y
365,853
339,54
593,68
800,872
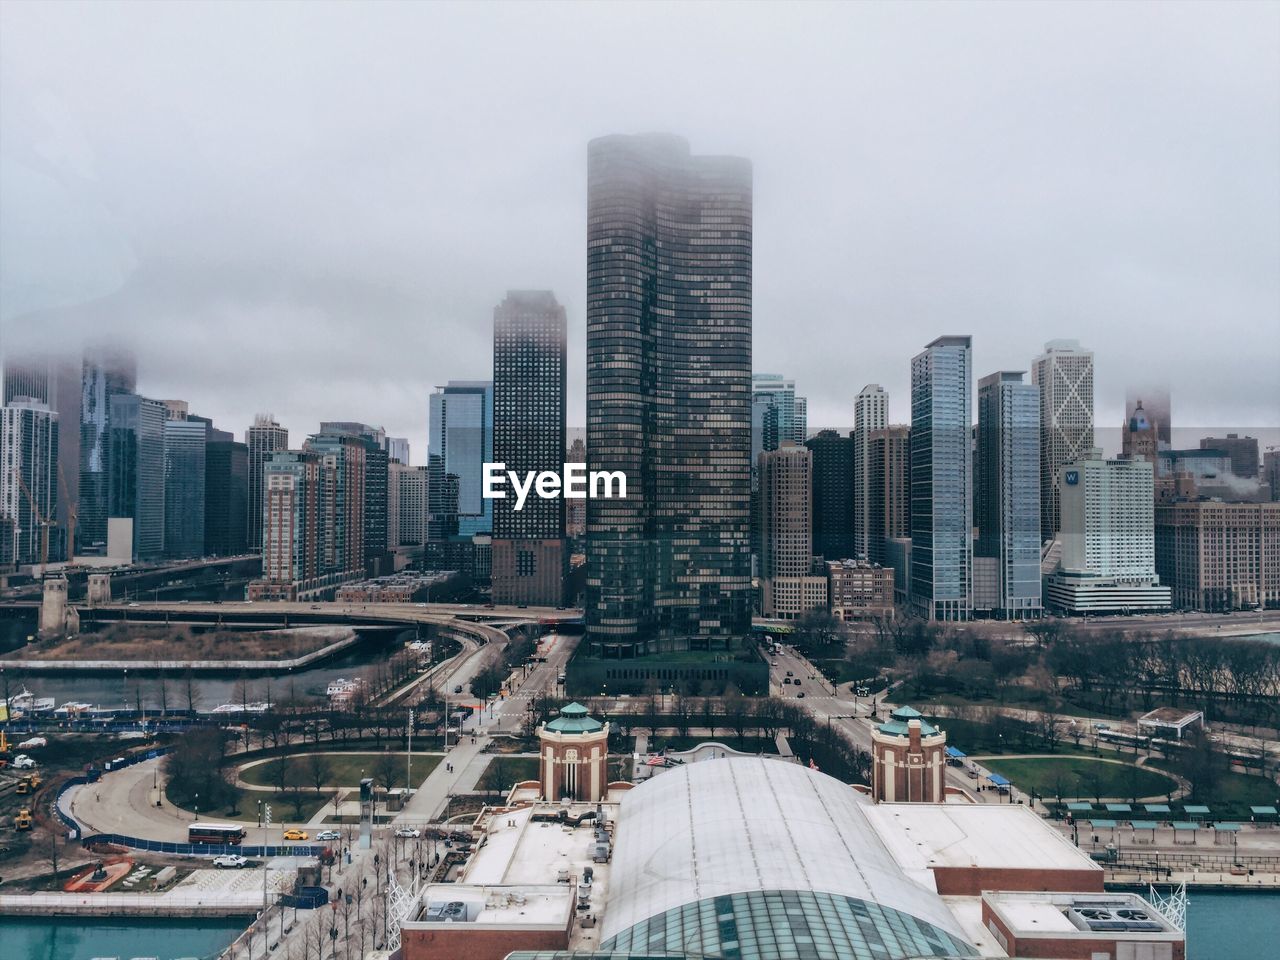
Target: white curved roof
x,y
744,824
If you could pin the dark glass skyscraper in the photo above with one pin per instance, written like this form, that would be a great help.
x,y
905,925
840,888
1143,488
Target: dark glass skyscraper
x,y
105,374
226,496
529,435
185,447
460,433
668,395
135,482
832,495
1007,492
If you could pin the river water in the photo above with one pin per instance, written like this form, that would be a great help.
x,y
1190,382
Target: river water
x,y
1221,925
115,689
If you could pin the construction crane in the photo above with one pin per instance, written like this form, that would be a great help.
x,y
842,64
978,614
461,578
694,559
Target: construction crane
x,y
41,520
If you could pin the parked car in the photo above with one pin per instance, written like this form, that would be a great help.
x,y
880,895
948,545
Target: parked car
x,y
790,674
408,833
800,695
293,833
458,688
328,835
231,860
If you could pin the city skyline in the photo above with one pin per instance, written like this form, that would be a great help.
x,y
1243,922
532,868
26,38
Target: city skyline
x,y
1125,259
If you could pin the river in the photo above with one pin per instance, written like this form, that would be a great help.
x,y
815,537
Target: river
x,y
115,689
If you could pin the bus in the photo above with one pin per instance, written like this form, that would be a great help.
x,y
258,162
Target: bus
x,y
223,834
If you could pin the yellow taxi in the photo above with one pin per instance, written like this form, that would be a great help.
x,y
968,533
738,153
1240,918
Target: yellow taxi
x,y
293,833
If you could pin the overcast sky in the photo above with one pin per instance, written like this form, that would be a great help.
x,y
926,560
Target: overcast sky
x,y
313,209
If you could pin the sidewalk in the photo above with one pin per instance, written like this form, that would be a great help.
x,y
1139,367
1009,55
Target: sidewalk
x,y
432,795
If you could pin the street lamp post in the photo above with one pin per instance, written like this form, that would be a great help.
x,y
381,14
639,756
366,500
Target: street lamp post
x,y
266,822
408,756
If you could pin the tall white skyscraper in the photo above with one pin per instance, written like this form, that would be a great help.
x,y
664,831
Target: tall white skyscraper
x,y
1108,562
1064,374
870,413
28,479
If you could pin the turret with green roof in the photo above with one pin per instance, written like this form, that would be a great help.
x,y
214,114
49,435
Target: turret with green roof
x,y
574,718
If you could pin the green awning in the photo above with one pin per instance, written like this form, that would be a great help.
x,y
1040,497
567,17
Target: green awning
x,y
1226,827
1144,825
1104,824
1195,808
1119,808
1156,807
1263,811
1184,825
1080,806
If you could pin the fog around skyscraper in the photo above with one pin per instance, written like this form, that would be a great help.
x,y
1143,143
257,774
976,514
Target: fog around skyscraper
x,y
202,177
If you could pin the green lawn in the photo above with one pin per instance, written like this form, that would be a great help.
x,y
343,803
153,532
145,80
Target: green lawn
x,y
1235,793
346,769
503,772
1076,776
282,810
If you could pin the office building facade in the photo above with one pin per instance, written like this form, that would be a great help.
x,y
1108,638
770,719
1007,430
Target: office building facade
x,y
788,586
1107,539
105,374
858,590
376,459
291,527
529,392
942,480
185,443
1064,376
870,414
28,481
398,449
1007,491
833,502
668,395
888,467
136,480
1243,452
1216,557
262,441
226,488
341,503
461,436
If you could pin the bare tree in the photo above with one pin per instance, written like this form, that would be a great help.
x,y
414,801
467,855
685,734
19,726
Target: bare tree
x,y
319,770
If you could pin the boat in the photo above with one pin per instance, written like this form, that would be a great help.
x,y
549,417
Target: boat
x,y
343,686
260,706
21,701
72,709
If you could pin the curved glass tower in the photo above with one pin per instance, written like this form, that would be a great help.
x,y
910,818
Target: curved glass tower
x,y
668,395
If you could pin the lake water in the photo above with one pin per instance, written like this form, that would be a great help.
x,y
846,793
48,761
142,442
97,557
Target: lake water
x,y
1228,925
72,939
1221,925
